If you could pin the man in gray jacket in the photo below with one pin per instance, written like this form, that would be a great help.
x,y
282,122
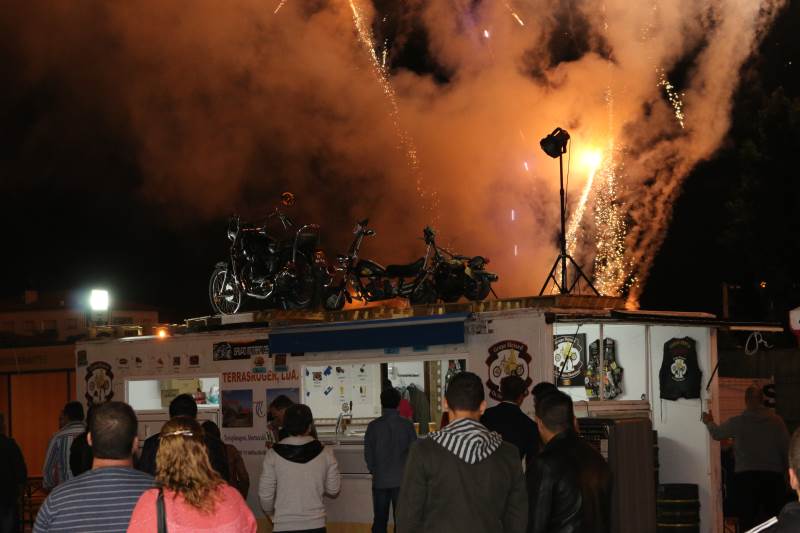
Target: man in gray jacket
x,y
386,445
463,478
760,449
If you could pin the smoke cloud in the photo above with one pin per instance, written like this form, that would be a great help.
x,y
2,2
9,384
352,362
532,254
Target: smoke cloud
x,y
229,103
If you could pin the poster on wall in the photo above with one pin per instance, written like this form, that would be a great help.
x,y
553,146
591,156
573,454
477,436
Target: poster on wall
x,y
237,408
232,351
506,358
569,360
293,394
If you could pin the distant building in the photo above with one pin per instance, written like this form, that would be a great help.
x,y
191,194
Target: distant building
x,y
38,332
60,317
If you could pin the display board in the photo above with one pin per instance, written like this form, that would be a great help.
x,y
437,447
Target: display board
x,y
329,389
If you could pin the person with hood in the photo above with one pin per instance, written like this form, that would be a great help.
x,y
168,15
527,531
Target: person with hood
x,y
297,473
463,478
789,518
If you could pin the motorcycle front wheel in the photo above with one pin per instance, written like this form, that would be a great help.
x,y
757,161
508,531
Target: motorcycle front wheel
x,y
425,293
223,292
334,299
477,289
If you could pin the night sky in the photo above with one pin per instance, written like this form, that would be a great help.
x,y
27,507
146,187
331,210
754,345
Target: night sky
x,y
74,214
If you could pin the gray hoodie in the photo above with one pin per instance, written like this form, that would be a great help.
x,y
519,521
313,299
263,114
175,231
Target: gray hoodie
x,y
463,479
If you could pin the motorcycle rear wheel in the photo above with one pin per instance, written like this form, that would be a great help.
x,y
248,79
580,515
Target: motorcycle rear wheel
x,y
225,295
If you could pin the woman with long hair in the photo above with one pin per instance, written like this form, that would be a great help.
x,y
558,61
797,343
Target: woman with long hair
x,y
191,496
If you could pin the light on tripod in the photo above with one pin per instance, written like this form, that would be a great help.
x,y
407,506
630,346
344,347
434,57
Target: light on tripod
x,y
555,144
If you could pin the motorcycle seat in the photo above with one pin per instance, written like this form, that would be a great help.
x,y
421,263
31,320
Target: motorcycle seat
x,y
405,271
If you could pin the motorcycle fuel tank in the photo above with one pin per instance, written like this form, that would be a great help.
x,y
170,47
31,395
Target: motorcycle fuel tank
x,y
369,269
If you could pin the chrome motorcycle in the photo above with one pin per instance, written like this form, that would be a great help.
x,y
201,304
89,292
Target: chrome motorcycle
x,y
285,273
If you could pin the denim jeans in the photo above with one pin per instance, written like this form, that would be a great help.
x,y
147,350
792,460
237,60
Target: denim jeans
x,y
381,499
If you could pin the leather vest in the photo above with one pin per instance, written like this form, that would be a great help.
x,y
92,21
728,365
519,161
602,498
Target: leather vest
x,y
680,374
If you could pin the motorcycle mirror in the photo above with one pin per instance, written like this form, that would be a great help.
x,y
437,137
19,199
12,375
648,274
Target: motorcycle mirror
x,y
287,199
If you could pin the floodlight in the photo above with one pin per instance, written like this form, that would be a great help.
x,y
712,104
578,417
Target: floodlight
x,y
555,144
98,300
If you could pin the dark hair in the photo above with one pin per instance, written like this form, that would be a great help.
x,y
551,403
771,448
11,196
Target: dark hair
x,y
794,452
511,388
183,405
74,411
555,411
113,427
390,398
465,392
211,428
281,402
541,389
298,419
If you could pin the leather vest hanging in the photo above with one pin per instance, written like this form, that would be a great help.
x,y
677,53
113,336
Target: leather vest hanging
x,y
680,374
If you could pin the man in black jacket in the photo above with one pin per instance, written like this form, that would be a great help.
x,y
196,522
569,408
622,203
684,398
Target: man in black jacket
x,y
14,475
463,478
508,419
569,483
184,405
789,519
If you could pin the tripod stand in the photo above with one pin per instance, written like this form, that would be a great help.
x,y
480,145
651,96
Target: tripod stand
x,y
564,257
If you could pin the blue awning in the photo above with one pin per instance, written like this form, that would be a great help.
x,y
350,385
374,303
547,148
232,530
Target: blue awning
x,y
369,334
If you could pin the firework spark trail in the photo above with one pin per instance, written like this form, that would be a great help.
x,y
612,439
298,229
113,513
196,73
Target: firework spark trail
x,y
280,5
576,218
514,14
675,98
611,271
430,199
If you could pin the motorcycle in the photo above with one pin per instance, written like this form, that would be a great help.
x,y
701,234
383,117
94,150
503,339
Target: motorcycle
x,y
438,275
287,273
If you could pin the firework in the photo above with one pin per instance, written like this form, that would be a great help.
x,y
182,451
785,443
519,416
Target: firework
x,y
674,97
280,5
430,199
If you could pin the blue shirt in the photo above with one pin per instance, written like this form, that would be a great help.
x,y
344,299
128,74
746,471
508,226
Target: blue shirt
x,y
99,500
56,464
386,446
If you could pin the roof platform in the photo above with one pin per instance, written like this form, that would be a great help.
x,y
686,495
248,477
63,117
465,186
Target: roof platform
x,y
279,317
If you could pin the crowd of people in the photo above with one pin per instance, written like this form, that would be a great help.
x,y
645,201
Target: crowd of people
x,y
488,469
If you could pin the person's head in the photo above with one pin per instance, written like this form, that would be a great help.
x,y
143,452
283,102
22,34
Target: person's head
x,y
298,420
554,414
211,428
542,389
464,397
112,431
72,412
183,405
794,462
754,397
182,463
277,409
512,389
390,398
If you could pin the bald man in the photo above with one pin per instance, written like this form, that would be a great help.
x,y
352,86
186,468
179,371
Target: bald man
x,y
760,448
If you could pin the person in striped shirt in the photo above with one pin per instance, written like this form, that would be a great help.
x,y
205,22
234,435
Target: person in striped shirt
x,y
56,463
102,499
